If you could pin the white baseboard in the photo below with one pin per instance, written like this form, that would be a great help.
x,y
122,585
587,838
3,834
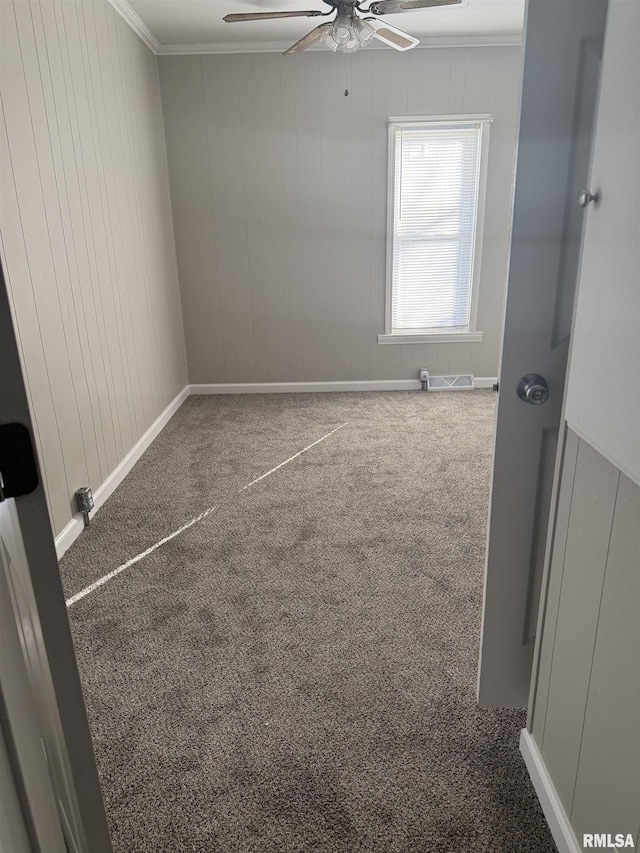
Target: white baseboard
x,y
553,810
314,387
296,387
74,528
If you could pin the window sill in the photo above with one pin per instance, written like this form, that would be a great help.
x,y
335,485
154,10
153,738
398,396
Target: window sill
x,y
435,338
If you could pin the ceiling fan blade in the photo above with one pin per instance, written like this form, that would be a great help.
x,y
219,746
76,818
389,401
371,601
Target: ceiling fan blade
x,y
392,35
308,40
263,16
388,7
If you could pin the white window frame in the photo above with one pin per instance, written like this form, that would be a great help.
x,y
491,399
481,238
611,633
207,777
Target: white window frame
x,y
472,335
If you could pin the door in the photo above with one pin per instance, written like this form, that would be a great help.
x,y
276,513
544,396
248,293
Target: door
x,y
563,48
13,829
584,717
603,382
31,818
36,641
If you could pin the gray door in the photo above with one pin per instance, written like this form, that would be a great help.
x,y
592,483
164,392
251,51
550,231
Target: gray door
x,y
584,719
29,817
563,49
39,615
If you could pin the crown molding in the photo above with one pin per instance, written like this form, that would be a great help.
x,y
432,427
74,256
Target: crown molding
x,y
142,30
508,40
137,24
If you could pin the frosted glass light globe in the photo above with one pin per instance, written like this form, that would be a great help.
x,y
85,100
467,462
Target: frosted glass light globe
x,y
341,30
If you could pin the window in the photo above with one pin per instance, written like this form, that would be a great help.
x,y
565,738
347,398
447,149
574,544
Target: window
x,y
437,171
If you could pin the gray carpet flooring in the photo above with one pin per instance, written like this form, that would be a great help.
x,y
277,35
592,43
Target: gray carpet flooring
x,y
296,672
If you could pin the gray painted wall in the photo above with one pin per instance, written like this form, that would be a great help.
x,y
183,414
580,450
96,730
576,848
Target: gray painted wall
x,y
279,190
87,238
586,705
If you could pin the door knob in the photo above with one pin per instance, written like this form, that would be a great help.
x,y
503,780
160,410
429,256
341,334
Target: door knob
x,y
586,197
533,389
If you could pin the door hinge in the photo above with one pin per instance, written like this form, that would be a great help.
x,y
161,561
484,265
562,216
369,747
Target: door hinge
x,y
18,469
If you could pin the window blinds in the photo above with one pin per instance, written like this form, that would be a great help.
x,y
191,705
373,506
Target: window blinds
x,y
437,170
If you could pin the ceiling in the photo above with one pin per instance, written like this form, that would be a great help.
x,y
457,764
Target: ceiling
x,y
196,26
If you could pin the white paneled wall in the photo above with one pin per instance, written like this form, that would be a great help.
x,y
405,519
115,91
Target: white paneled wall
x,y
585,710
87,240
279,186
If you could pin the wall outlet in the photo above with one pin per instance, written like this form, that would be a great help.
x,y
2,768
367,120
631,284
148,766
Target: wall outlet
x,y
424,374
84,502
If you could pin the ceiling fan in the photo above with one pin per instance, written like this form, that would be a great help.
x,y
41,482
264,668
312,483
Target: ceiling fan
x,y
348,30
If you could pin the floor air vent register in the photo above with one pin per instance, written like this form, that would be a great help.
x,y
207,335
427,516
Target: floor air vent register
x,y
462,382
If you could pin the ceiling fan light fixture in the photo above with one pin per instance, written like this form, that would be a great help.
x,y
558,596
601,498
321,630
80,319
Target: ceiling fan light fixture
x,y
341,30
346,35
349,32
329,41
351,46
363,31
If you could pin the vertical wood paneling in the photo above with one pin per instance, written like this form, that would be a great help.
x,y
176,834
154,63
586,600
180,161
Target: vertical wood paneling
x,y
249,293
312,244
203,213
458,80
335,142
86,236
460,358
67,185
23,302
585,556
139,161
292,219
378,212
46,331
246,284
503,106
121,235
95,32
91,215
227,339
270,167
415,81
297,174
547,637
177,136
78,429
586,704
361,96
442,361
207,325
396,85
477,81
607,791
437,74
